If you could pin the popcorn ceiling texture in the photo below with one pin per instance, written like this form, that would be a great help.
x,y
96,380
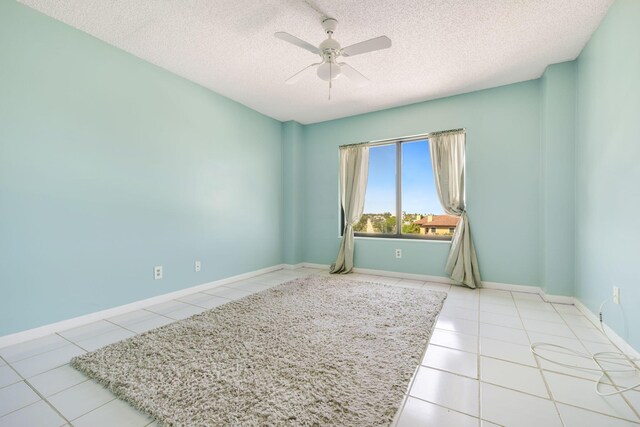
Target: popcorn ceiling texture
x,y
440,47
313,351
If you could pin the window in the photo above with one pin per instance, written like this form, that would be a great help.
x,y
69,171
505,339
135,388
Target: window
x,y
401,199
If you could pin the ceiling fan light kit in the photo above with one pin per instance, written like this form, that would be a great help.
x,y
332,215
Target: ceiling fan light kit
x,y
329,71
330,50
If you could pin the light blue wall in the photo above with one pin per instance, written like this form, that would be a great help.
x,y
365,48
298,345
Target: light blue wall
x,y
558,96
503,191
292,179
109,166
607,168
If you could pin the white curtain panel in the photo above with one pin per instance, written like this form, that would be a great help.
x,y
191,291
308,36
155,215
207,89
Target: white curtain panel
x,y
354,170
448,159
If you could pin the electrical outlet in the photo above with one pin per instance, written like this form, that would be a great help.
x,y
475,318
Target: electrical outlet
x,y
157,272
198,266
616,295
398,253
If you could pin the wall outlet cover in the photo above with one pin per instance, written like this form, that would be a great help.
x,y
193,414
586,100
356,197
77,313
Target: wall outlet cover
x,y
157,272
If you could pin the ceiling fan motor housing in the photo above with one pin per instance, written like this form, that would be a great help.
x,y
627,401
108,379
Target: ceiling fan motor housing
x,y
329,46
329,25
329,50
329,69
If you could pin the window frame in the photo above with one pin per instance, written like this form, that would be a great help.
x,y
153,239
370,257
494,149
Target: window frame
x,y
398,205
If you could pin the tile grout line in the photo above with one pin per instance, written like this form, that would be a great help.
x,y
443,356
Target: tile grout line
x,y
6,363
613,383
70,422
415,373
521,364
165,315
104,404
69,341
503,386
628,402
40,353
125,328
135,323
616,417
45,399
45,352
407,395
540,371
550,394
55,367
40,395
182,302
453,410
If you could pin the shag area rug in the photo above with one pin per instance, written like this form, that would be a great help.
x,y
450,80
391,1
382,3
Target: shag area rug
x,y
315,351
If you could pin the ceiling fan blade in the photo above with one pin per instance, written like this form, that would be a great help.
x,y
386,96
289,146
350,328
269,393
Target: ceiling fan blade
x,y
296,41
354,75
382,42
294,79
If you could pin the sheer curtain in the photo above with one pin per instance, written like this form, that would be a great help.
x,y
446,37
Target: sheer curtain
x,y
354,170
448,159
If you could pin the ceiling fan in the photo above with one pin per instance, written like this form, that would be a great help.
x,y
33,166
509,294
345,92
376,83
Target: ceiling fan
x,y
329,50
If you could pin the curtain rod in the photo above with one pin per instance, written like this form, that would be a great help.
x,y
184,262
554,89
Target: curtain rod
x,y
406,138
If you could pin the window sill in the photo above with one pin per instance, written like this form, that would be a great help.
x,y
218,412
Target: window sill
x,y
403,239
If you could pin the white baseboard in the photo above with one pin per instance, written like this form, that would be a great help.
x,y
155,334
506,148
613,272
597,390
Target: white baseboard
x,y
410,276
51,328
619,342
441,279
385,273
510,287
293,266
557,299
41,331
312,265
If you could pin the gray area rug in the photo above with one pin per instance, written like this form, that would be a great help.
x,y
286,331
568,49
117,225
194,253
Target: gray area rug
x,y
315,351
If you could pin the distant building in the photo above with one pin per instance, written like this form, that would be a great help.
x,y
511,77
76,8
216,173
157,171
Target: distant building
x,y
439,225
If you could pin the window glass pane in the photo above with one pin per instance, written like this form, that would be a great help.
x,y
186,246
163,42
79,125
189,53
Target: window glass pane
x,y
380,200
422,213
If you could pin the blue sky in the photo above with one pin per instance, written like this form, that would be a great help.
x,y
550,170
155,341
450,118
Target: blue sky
x,y
418,187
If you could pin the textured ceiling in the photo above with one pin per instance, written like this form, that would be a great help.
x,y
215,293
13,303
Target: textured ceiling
x,y
440,47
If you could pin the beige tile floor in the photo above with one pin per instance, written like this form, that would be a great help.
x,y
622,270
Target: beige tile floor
x,y
477,371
